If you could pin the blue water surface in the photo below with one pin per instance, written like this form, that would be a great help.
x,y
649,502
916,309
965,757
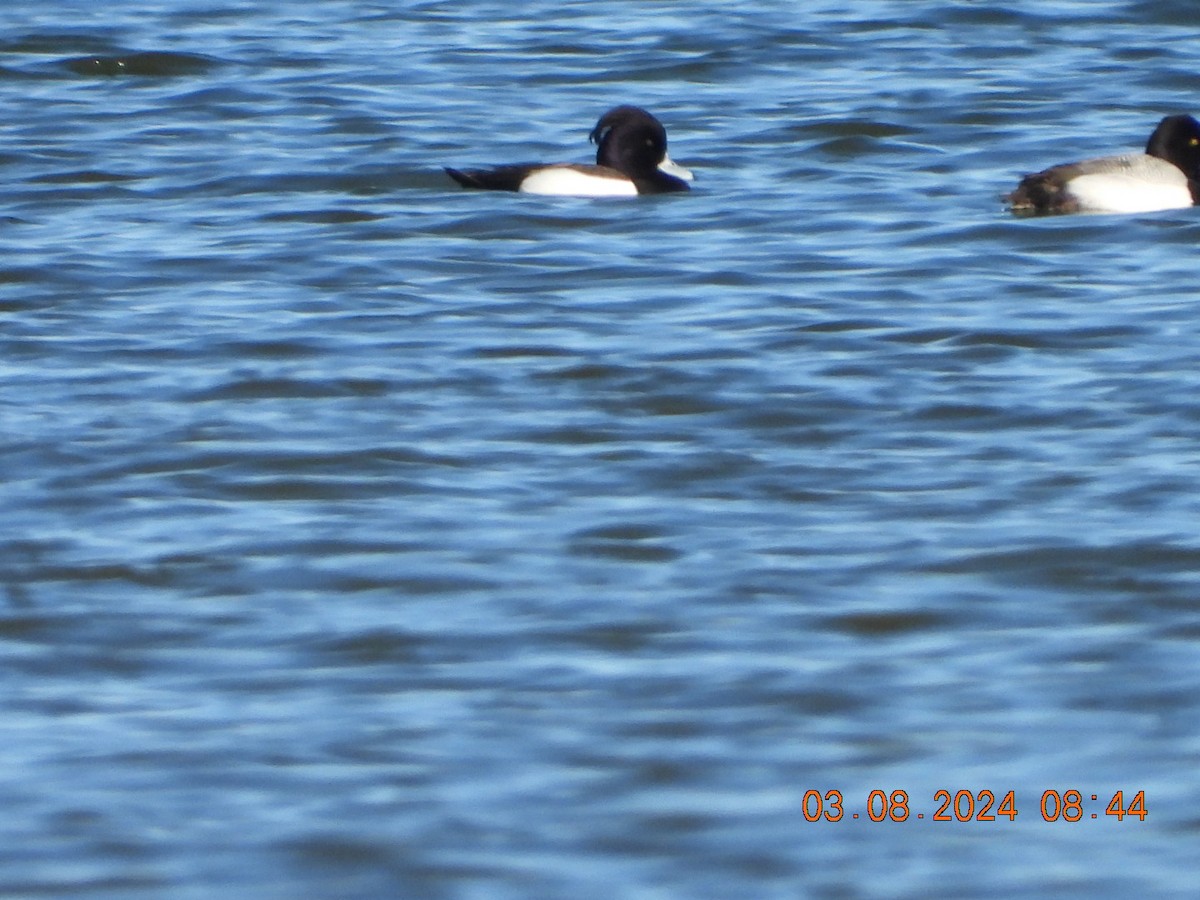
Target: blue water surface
x,y
361,536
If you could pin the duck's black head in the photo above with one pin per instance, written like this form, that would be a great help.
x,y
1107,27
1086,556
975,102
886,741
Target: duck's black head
x,y
1177,140
632,141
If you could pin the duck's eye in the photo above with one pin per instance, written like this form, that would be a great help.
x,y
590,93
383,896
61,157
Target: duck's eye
x,y
1194,142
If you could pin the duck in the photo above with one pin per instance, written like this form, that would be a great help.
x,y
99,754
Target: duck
x,y
631,159
1164,177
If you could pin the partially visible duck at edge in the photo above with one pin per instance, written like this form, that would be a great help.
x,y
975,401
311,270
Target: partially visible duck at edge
x,y
1166,176
631,159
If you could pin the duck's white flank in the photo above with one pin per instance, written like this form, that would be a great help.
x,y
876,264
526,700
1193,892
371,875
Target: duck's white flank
x,y
1131,183
565,181
1112,192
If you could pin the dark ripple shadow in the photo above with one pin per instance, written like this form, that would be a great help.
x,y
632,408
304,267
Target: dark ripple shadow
x,y
888,623
48,43
1120,570
630,542
289,388
83,176
372,648
618,637
331,216
1072,339
98,55
336,862
142,64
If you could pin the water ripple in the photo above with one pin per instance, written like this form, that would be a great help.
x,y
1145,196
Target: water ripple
x,y
365,536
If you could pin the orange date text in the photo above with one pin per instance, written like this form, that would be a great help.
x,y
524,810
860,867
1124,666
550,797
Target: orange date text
x,y
984,805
